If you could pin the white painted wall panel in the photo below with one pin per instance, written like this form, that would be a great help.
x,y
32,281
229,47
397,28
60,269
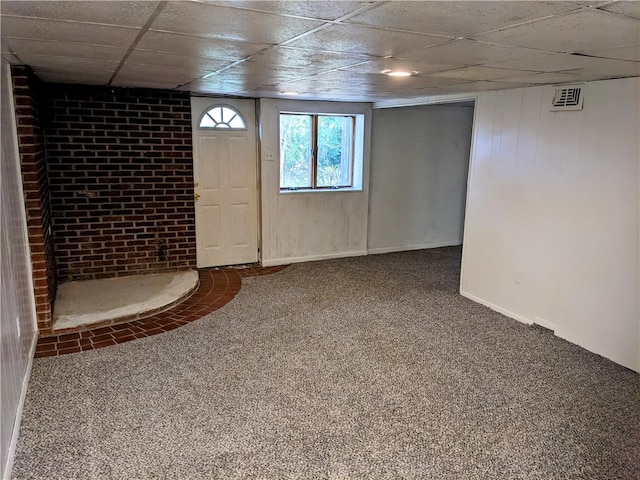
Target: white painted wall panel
x,y
419,166
553,202
309,226
17,305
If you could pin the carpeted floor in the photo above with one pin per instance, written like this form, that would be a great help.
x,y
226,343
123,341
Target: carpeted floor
x,y
370,367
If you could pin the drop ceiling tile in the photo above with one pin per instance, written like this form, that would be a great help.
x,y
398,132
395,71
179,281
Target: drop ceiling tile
x,y
196,64
559,62
627,8
61,49
318,9
73,32
309,59
4,46
171,75
600,71
457,19
198,46
492,85
246,77
379,82
70,63
590,3
94,77
319,90
378,66
243,25
364,40
582,30
168,83
11,58
215,86
480,73
342,78
468,52
424,92
548,77
630,52
543,63
257,70
309,87
412,83
122,13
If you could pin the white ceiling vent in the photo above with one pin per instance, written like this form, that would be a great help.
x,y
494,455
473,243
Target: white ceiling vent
x,y
567,98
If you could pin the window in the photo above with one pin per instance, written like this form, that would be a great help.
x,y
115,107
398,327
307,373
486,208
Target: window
x,y
222,117
317,151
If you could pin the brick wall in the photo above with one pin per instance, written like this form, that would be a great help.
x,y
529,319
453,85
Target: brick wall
x,y
121,180
29,106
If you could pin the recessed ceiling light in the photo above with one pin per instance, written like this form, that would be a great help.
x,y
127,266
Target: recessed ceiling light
x,y
290,93
397,73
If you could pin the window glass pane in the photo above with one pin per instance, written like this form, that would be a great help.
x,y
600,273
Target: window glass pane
x,y
236,122
334,151
295,151
216,114
207,122
222,117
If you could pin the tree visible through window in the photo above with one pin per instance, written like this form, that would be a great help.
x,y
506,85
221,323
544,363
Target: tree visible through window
x,y
316,151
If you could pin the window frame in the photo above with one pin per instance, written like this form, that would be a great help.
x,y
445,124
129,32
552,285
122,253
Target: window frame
x,y
314,152
215,127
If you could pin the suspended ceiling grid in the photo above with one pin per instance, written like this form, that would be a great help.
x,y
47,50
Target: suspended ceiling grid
x,y
324,50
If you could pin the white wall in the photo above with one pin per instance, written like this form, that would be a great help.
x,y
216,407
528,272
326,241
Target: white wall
x,y
315,225
17,304
419,166
553,202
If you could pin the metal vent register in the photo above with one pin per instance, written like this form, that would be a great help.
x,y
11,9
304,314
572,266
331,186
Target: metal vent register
x,y
567,98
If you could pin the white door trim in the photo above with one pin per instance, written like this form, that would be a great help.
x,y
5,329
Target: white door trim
x,y
228,233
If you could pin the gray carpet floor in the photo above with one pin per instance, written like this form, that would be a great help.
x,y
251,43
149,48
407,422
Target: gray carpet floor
x,y
370,367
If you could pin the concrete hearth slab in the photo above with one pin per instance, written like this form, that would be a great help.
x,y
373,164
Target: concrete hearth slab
x,y
92,301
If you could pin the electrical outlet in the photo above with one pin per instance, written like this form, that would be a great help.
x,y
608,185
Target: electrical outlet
x,y
518,276
269,156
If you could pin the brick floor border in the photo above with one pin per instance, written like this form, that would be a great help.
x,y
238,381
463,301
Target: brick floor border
x,y
217,287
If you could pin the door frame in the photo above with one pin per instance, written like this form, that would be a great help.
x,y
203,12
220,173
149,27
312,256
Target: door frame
x,y
216,100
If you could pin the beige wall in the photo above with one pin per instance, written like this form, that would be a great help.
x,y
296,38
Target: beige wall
x,y
552,219
419,166
301,226
18,314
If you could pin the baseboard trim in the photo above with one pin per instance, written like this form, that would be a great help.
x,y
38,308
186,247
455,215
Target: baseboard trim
x,y
406,248
498,309
311,258
18,420
545,324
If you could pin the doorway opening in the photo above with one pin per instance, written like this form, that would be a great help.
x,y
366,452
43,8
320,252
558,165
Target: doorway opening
x,y
225,181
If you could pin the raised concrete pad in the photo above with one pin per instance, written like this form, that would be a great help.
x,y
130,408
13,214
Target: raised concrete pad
x,y
92,301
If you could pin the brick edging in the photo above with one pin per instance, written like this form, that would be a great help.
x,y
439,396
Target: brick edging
x,y
217,287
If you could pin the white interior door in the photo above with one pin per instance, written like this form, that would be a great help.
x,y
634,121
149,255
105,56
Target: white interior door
x,y
225,175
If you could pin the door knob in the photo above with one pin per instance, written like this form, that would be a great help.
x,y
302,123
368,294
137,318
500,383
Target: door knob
x,y
196,196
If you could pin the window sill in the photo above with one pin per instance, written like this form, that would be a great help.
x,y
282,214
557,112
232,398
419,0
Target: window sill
x,y
287,191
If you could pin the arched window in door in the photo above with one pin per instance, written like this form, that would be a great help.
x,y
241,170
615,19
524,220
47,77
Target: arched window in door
x,y
222,117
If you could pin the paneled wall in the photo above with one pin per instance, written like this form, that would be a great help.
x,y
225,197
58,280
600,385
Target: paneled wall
x,y
30,104
552,221
419,166
121,178
299,226
17,305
